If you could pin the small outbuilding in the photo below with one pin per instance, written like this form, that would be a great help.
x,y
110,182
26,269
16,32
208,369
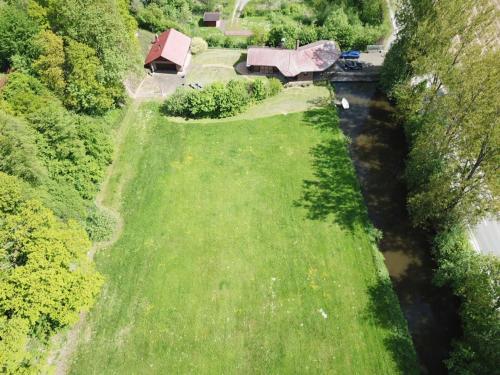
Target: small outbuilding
x,y
211,19
170,52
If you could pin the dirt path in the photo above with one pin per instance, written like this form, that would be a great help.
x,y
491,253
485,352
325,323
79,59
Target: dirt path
x,y
238,8
395,28
68,342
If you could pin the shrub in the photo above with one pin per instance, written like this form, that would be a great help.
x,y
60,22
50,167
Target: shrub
x,y
216,40
218,99
231,99
152,18
259,89
99,225
275,86
178,103
198,45
260,36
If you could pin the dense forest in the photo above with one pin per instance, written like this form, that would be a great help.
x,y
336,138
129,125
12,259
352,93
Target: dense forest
x,y
66,60
444,76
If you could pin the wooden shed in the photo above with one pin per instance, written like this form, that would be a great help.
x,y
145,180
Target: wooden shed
x,y
211,19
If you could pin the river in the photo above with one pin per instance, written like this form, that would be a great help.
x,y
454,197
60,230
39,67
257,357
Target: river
x,y
378,150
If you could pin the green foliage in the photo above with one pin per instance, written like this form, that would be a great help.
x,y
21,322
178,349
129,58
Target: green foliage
x,y
158,15
17,30
46,279
446,88
275,86
152,18
85,90
219,100
198,45
205,187
259,90
476,280
10,194
260,36
49,65
99,225
74,149
338,27
67,52
103,26
450,108
18,150
285,35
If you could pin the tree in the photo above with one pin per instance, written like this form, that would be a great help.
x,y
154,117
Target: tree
x,y
475,279
338,27
49,65
283,34
46,279
18,150
17,31
85,91
103,26
452,115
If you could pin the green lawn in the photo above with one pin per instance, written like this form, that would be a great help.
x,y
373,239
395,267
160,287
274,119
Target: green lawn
x,y
245,250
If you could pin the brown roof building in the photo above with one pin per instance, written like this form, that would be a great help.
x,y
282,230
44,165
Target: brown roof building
x,y
170,52
298,63
211,19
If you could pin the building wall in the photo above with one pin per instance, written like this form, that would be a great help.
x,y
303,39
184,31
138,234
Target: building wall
x,y
211,23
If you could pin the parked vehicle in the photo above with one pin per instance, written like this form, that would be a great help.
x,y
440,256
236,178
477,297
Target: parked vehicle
x,y
353,65
352,54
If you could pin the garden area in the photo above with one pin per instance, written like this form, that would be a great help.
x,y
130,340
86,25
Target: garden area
x,y
246,248
352,24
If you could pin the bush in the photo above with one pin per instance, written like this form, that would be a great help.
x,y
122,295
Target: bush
x,y
216,40
219,100
275,86
178,103
198,45
259,89
99,224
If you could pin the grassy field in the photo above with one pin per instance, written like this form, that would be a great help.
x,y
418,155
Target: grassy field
x,y
215,64
245,250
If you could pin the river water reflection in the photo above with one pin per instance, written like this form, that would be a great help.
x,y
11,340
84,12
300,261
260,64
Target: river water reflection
x,y
379,149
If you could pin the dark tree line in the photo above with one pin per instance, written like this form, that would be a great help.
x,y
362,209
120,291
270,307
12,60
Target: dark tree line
x,y
61,63
444,76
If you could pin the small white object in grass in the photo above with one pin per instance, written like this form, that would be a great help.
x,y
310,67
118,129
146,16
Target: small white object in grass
x,y
323,313
273,279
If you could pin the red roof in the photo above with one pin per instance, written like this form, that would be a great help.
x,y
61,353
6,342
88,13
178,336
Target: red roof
x,y
313,57
170,45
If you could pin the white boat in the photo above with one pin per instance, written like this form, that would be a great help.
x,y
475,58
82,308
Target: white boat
x,y
344,103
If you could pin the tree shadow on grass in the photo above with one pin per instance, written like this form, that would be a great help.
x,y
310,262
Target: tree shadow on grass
x,y
382,310
334,193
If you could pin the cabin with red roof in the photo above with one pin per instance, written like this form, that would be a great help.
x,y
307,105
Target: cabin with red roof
x,y
300,63
170,53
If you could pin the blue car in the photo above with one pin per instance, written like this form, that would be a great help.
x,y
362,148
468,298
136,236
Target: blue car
x,y
350,54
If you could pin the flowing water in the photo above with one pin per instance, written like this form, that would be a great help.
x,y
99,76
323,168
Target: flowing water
x,y
379,149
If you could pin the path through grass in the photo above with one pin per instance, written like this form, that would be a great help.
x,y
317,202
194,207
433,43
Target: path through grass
x,y
245,250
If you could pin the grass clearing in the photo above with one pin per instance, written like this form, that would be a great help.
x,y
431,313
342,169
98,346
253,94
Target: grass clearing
x,y
215,64
245,249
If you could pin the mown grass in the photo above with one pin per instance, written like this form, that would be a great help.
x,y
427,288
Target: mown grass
x,y
246,250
